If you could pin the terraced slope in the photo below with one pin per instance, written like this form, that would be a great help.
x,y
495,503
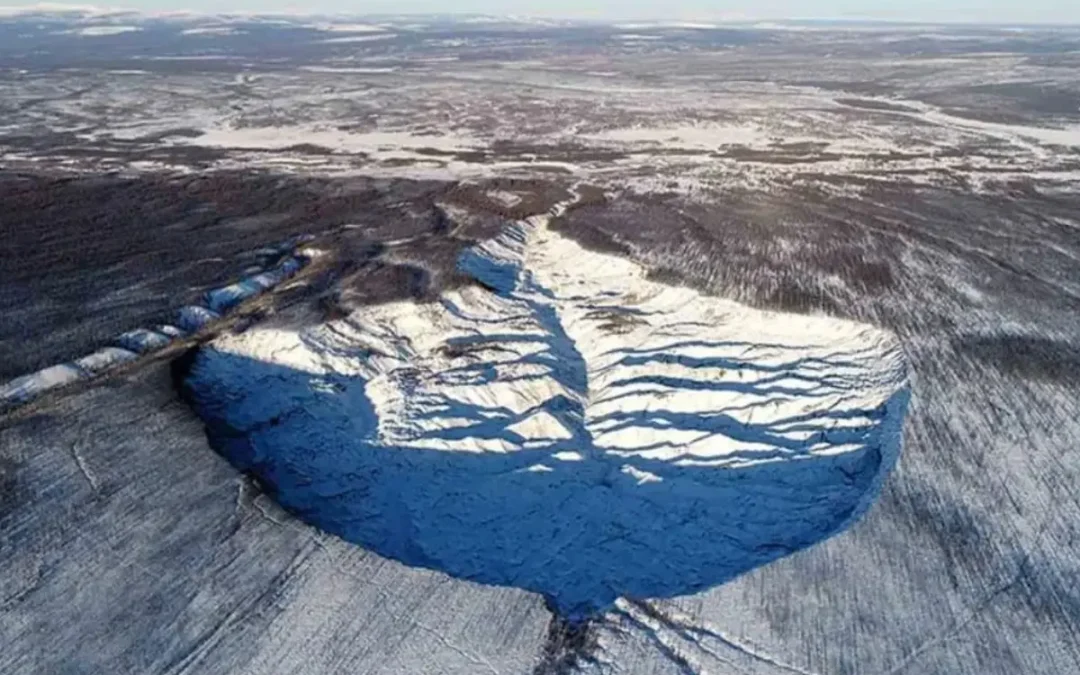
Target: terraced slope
x,y
563,425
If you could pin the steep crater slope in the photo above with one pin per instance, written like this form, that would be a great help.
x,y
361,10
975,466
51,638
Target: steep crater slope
x,y
564,425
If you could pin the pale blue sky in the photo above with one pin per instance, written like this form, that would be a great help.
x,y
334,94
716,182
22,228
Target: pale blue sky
x,y
990,11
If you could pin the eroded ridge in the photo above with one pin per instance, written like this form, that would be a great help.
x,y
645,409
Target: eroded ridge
x,y
279,263
565,425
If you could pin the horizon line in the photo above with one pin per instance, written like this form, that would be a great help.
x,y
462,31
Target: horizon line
x,y
698,22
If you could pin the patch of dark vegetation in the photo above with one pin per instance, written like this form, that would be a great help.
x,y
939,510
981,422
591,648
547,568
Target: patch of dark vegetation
x,y
106,157
800,147
1042,98
444,222
439,257
308,149
790,296
562,152
535,197
85,258
769,251
11,492
36,143
398,162
592,238
863,87
986,113
503,151
458,349
589,195
1029,356
377,283
740,154
616,320
667,275
99,153
576,223
875,104
809,154
569,645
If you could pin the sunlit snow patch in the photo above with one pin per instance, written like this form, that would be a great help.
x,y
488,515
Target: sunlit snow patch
x,y
143,341
103,359
565,426
27,387
104,31
223,299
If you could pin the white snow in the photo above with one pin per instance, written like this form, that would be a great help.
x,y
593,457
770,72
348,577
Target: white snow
x,y
1068,136
360,38
690,25
53,8
267,279
344,69
212,31
194,57
104,359
142,340
193,318
687,136
220,300
24,388
101,31
223,299
504,197
576,430
349,27
372,142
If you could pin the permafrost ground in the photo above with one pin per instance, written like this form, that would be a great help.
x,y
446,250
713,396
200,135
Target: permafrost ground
x,y
565,425
919,179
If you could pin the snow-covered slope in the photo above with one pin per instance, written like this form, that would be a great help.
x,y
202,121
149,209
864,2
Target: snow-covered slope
x,y
565,425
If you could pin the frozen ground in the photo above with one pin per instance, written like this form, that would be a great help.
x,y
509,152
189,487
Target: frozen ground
x,y
687,109
857,204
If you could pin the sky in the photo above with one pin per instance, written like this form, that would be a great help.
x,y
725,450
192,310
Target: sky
x,y
977,11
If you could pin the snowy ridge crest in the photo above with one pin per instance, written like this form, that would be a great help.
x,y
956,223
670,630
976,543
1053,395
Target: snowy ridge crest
x,y
566,425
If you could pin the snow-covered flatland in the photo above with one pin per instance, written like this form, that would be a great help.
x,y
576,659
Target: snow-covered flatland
x,y
756,108
99,31
360,38
349,27
694,137
211,31
914,187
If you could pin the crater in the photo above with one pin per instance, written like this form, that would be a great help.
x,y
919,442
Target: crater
x,y
566,425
